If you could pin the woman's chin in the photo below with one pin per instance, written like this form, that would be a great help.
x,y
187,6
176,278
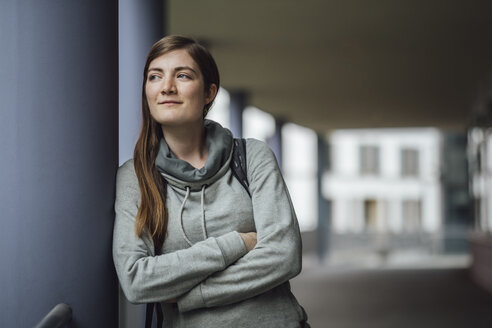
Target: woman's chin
x,y
179,121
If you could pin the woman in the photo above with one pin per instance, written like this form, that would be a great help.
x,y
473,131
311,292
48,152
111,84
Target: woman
x,y
187,234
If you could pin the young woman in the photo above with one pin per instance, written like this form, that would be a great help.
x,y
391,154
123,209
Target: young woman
x,y
187,234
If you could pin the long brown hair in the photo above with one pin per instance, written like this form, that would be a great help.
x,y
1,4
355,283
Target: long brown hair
x,y
152,213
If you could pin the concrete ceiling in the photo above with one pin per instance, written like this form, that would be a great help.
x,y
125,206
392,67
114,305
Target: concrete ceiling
x,y
348,63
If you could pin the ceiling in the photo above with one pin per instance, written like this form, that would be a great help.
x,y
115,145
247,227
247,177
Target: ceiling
x,y
351,63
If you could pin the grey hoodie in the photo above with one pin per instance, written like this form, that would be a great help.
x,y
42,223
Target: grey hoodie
x,y
204,263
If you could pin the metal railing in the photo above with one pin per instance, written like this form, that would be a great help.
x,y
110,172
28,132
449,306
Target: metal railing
x,y
58,317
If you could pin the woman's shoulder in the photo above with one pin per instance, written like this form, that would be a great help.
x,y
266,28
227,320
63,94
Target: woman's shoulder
x,y
126,175
127,168
258,151
256,146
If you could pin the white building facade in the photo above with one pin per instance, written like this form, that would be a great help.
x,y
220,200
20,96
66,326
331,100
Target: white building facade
x,y
384,181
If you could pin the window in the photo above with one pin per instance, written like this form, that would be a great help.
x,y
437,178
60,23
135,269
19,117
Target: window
x,y
370,215
412,215
369,159
409,162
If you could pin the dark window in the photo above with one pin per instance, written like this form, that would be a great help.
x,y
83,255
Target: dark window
x,y
412,215
409,162
369,159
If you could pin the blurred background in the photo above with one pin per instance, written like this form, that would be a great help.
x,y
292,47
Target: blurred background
x,y
379,113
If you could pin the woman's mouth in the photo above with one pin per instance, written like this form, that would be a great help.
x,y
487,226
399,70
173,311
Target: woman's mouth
x,y
169,102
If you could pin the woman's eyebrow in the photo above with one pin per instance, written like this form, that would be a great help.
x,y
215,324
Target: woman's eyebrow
x,y
156,69
179,68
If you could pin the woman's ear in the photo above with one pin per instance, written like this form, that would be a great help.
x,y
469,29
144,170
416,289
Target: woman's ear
x,y
212,92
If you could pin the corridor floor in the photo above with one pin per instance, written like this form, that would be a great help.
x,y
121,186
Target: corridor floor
x,y
392,298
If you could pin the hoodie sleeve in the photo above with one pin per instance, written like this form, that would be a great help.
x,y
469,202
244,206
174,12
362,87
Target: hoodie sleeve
x,y
147,278
277,255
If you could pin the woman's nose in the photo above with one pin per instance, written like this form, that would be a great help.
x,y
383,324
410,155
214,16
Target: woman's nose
x,y
168,86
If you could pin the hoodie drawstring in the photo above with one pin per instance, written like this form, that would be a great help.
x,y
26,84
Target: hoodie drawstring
x,y
181,216
181,210
203,213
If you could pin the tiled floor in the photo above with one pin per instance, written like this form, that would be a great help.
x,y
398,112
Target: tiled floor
x,y
392,297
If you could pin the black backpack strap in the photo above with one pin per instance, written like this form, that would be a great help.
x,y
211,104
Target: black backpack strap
x,y
160,315
149,311
239,164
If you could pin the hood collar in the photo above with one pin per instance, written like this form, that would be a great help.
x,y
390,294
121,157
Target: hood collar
x,y
180,173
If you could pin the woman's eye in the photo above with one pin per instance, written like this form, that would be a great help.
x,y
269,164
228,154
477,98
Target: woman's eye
x,y
152,77
183,76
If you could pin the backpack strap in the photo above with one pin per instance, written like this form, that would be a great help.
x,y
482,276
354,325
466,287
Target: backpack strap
x,y
160,315
239,164
149,311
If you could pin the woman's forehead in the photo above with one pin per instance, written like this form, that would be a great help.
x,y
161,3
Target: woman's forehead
x,y
179,58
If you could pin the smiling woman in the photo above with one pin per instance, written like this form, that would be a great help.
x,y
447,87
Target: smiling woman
x,y
188,236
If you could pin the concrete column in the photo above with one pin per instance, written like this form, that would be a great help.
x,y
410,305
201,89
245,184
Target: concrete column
x,y
236,107
59,146
275,141
457,214
324,206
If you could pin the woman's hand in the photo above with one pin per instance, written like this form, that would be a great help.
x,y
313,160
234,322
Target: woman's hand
x,y
249,239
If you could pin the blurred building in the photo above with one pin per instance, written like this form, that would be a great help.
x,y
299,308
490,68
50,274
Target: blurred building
x,y
385,183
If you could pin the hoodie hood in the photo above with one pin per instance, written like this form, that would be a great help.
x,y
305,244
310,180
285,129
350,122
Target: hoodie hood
x,y
180,173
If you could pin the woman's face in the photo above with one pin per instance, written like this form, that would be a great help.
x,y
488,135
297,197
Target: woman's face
x,y
175,89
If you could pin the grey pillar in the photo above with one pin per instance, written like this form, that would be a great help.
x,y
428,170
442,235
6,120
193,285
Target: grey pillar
x,y
59,146
324,206
457,201
141,24
236,108
275,141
